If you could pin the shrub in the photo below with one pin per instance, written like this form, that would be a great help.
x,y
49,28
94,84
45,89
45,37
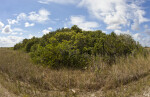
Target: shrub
x,y
61,55
18,46
74,47
30,43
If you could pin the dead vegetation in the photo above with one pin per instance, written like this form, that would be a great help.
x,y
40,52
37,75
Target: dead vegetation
x,y
22,77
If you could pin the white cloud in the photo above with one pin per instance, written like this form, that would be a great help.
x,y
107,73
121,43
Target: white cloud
x,y
9,41
21,16
50,28
1,25
137,36
135,26
82,23
147,31
43,2
58,1
30,35
12,21
17,30
143,39
122,32
116,12
114,26
21,33
7,29
40,17
46,31
29,25
146,26
14,33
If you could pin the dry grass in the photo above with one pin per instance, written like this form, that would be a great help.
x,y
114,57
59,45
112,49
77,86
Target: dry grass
x,y
35,80
17,65
133,89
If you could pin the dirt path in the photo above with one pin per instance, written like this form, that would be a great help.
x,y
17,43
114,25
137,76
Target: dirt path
x,y
146,93
5,93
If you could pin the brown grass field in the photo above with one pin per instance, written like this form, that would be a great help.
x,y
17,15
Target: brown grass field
x,y
129,77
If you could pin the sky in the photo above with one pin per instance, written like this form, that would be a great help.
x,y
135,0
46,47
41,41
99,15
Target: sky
x,y
20,19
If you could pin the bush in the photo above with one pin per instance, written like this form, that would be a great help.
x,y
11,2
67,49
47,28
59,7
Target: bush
x,y
74,47
18,46
61,55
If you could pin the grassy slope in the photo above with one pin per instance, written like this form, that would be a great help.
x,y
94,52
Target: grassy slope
x,y
22,77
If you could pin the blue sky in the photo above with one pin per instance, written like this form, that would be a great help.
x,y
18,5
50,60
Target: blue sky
x,y
21,19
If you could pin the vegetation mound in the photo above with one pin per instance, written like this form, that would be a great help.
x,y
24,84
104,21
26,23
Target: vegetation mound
x,y
75,48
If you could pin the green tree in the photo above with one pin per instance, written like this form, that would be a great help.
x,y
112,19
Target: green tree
x,y
76,29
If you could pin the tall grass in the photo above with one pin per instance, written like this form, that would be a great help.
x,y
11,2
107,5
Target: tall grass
x,y
30,77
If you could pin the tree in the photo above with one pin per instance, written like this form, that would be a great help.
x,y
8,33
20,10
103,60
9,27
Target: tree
x,y
76,29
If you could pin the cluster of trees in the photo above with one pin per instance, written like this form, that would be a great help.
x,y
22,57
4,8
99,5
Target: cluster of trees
x,y
74,48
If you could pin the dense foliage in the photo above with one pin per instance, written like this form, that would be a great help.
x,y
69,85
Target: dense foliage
x,y
74,48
